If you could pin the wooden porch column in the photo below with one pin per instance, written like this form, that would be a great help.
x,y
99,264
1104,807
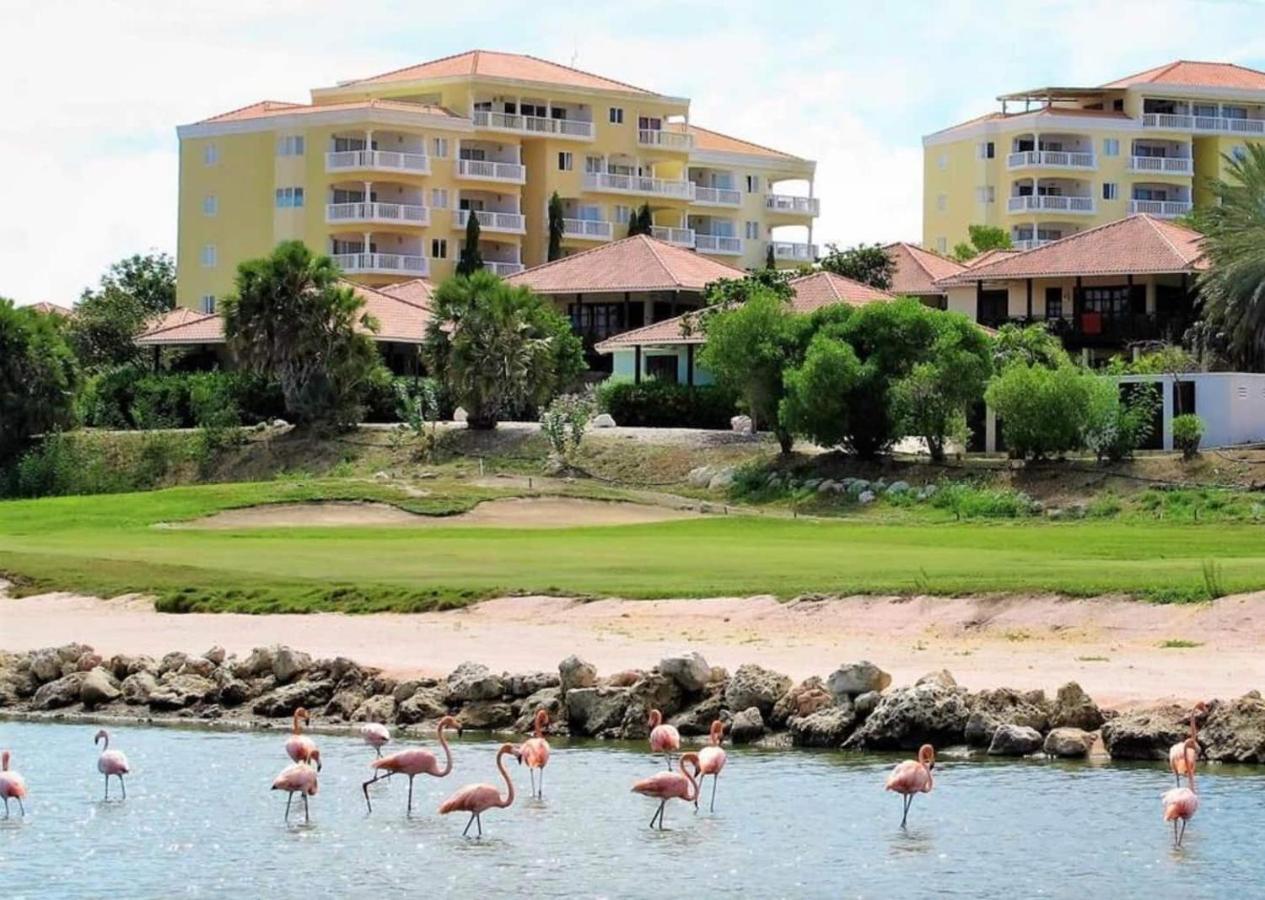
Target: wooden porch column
x,y
627,310
637,364
979,295
689,364
1029,299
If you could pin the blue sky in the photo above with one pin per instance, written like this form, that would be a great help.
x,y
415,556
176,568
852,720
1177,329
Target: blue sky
x,y
93,91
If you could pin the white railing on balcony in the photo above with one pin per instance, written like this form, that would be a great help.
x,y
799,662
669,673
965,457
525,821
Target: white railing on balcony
x,y
788,203
377,212
499,121
1051,159
1203,123
1029,243
1171,165
382,263
681,237
1051,203
710,196
504,269
717,243
489,170
638,184
490,220
794,251
589,229
383,160
1165,209
669,140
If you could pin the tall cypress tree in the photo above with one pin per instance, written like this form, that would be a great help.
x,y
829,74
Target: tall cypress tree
x,y
646,226
556,227
471,260
770,261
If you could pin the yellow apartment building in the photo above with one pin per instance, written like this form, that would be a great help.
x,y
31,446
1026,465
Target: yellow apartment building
x,y
1056,161
382,173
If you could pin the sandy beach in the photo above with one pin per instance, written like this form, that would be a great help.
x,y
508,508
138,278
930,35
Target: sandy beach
x,y
1113,647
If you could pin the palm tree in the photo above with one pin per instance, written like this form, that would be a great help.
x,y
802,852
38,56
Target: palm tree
x,y
1233,287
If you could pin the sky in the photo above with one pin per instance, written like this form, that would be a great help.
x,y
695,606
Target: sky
x,y
91,92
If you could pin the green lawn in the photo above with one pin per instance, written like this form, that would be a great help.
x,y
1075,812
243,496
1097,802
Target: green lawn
x,y
107,545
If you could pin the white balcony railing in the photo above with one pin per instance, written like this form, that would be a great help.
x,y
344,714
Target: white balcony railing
x,y
565,128
1051,203
588,229
490,220
787,203
710,196
488,170
638,184
1169,165
718,243
380,160
681,237
794,251
668,140
1029,243
504,269
403,213
382,264
1164,209
1051,159
1214,124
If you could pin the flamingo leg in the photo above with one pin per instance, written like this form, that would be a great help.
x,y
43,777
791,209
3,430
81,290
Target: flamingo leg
x,y
365,787
123,786
409,811
478,822
465,831
542,784
6,807
909,801
107,787
715,778
307,818
289,797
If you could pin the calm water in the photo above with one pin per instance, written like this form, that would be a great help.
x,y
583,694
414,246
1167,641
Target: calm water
x,y
200,821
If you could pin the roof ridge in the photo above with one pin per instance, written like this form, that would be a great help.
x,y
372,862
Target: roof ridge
x,y
410,66
231,112
653,243
568,258
581,71
744,141
1160,228
196,317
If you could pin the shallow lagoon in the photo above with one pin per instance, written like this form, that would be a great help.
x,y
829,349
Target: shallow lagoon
x,y
200,821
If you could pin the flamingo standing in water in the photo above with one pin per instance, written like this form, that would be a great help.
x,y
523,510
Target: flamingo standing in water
x,y
1181,803
913,776
12,786
111,762
1177,753
413,763
535,752
477,799
711,759
299,778
300,747
375,734
664,739
666,786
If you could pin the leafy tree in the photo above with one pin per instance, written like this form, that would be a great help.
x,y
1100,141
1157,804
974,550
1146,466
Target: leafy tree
x,y
866,263
556,227
471,260
290,319
1044,411
1030,344
1188,431
815,403
108,317
38,378
1116,426
982,239
725,291
1233,287
498,348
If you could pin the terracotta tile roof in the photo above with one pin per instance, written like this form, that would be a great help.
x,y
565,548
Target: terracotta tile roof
x,y
917,270
492,64
184,326
1135,245
265,108
399,320
638,263
706,139
417,291
1047,111
988,256
825,288
54,309
1197,74
669,331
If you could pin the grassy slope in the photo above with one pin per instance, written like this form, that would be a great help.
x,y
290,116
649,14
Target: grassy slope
x,y
107,545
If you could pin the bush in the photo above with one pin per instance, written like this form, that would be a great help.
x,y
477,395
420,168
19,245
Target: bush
x,y
38,378
1188,431
563,424
1116,427
1044,412
966,501
662,404
70,464
130,397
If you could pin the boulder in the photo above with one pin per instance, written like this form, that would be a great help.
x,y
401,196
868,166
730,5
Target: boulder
x,y
941,677
746,726
626,678
138,686
853,679
176,691
172,662
88,661
697,719
288,664
119,666
756,686
655,690
825,728
375,709
98,688
46,665
1004,706
258,663
345,702
866,703
474,681
1145,733
722,480
1074,709
1014,740
550,700
594,710
804,699
424,704
1068,743
525,685
404,690
865,498
699,476
287,698
1234,731
216,655
689,670
343,669
603,420
486,714
198,665
574,672
459,415
742,425
233,691
906,718
897,487
58,693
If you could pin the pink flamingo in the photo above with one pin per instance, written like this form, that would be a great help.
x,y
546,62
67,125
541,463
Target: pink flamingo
x,y
300,747
12,786
668,785
711,759
476,799
535,752
298,778
1182,802
664,739
111,762
1177,753
375,734
913,776
413,763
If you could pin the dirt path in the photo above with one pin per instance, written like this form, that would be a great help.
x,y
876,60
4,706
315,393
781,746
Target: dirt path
x,y
1112,647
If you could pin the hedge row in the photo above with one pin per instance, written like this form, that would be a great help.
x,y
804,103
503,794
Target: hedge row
x,y
663,404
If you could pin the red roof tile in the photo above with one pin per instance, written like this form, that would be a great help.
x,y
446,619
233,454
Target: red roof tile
x,y
706,139
265,108
492,64
1197,74
988,256
184,326
638,263
917,270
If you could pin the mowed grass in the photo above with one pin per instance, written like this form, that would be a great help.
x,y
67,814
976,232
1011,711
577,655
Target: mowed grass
x,y
107,545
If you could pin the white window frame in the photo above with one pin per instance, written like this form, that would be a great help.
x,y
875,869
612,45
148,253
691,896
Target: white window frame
x,y
753,184
942,161
1110,190
210,154
440,147
942,202
566,161
751,230
439,198
441,245
622,214
208,303
288,198
211,205
616,115
942,245
209,256
1111,146
291,145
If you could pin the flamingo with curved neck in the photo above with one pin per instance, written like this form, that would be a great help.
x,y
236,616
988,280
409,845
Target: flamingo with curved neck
x,y
414,762
477,799
913,776
12,785
300,747
711,759
667,786
1181,803
664,739
1177,752
535,753
111,762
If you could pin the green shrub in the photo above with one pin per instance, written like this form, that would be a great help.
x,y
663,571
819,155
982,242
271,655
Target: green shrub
x,y
966,501
1188,431
77,464
130,397
1116,427
1044,412
563,423
662,404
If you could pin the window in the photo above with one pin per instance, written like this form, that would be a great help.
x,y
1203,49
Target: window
x,y
662,367
1234,112
210,154
942,245
986,150
289,198
616,115
565,162
623,214
208,256
1053,303
942,161
439,248
592,164
210,205
752,231
1110,147
753,184
1110,190
290,145
985,194
1205,110
439,198
208,303
439,148
942,202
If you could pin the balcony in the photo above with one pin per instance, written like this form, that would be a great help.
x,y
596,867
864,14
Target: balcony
x,y
711,196
794,252
588,229
718,244
1164,165
1206,124
1028,243
1051,203
533,125
1051,159
797,206
388,213
617,183
382,264
377,161
503,269
490,170
665,140
490,220
678,237
1161,209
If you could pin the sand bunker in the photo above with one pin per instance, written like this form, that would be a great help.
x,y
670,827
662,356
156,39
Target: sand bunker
x,y
527,512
